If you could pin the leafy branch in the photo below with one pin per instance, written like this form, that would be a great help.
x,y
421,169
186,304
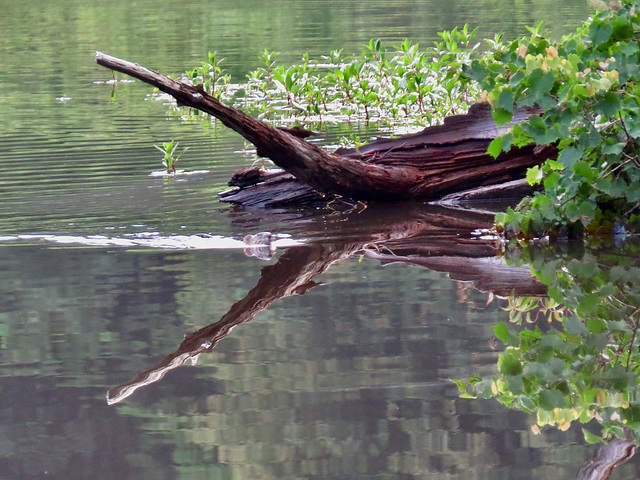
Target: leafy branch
x,y
587,92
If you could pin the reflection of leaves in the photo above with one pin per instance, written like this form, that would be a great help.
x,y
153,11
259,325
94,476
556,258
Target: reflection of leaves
x,y
591,437
551,399
533,309
509,362
580,360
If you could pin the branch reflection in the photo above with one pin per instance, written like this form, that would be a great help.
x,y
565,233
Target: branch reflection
x,y
432,237
571,348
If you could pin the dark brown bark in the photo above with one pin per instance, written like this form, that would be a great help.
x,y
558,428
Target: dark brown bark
x,y
270,190
437,161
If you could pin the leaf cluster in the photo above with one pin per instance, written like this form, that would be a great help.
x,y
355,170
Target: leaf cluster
x,y
401,85
211,76
170,155
585,94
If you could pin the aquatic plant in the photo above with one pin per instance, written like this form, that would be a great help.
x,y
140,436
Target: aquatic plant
x,y
169,150
403,85
210,75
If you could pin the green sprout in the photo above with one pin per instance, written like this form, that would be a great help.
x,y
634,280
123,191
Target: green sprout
x,y
170,159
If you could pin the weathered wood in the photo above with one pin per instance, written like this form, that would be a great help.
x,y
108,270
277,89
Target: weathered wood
x,y
515,189
437,161
270,191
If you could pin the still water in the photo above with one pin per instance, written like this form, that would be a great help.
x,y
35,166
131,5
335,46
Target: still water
x,y
105,269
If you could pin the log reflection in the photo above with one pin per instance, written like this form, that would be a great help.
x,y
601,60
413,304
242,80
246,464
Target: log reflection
x,y
431,237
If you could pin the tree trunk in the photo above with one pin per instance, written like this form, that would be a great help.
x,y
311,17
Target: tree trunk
x,y
439,160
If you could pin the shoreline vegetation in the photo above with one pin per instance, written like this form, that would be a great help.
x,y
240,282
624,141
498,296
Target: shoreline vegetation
x,y
586,85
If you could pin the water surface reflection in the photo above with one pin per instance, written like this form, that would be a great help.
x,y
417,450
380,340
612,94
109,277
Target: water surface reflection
x,y
350,379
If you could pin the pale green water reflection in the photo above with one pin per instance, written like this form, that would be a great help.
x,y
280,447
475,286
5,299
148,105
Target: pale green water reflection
x,y
348,381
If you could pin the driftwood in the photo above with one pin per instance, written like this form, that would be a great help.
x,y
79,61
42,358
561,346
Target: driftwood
x,y
439,160
272,189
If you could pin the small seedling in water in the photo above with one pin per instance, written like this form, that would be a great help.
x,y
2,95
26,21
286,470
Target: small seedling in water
x,y
352,140
169,150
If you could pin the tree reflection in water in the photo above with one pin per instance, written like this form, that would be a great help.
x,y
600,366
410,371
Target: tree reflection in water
x,y
427,236
571,349
574,356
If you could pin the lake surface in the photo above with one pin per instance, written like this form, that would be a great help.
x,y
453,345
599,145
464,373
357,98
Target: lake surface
x,y
105,269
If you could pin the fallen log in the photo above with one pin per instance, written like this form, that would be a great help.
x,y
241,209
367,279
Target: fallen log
x,y
439,160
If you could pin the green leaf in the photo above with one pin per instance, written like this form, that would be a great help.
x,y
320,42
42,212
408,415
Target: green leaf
x,y
574,326
509,362
556,294
507,139
506,99
546,102
551,181
600,32
515,384
591,438
621,274
584,169
584,211
629,48
501,331
608,106
596,325
462,385
614,187
552,399
534,175
584,269
579,90
541,84
555,367
621,28
619,377
598,341
613,148
534,370
502,116
588,304
536,127
495,147
570,155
